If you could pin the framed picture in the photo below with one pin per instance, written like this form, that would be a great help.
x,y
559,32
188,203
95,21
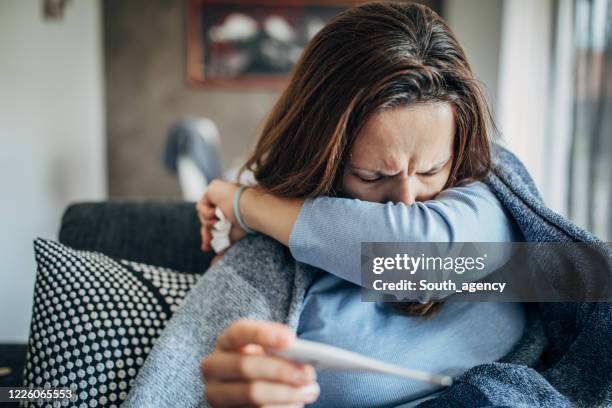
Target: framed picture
x,y
251,43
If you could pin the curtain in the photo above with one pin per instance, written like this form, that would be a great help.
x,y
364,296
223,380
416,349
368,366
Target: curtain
x,y
590,186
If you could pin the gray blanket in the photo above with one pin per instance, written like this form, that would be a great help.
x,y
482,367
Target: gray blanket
x,y
563,359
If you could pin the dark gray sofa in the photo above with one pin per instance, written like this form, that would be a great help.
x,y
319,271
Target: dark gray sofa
x,y
162,233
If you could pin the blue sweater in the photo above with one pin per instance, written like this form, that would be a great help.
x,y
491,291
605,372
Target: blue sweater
x,y
327,235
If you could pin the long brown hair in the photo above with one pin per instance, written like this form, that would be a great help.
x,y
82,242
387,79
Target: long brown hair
x,y
369,58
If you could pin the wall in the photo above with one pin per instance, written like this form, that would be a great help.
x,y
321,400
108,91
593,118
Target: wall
x,y
147,91
52,137
476,23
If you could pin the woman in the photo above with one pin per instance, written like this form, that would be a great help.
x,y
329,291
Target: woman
x,y
382,106
383,111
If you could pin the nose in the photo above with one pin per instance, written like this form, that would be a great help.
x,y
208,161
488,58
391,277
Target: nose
x,y
403,192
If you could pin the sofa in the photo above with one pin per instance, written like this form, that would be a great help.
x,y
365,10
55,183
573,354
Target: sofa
x,y
163,233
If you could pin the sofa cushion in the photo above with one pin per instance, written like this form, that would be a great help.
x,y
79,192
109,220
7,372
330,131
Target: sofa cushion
x,y
95,319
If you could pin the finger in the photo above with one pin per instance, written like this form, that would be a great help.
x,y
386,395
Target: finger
x,y
225,366
202,203
205,206
209,212
252,349
206,238
221,394
209,223
203,237
206,213
201,218
264,333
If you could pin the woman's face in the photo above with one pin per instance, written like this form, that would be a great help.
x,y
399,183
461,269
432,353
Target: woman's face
x,y
402,155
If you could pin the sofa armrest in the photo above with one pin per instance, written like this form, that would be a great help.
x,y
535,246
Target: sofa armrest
x,y
162,233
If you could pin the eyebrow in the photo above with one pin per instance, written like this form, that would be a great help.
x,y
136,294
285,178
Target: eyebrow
x,y
436,166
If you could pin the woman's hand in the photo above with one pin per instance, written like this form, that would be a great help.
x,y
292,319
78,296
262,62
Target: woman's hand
x,y
218,194
239,372
264,212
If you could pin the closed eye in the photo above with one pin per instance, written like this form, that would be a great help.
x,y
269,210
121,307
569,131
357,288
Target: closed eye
x,y
435,170
370,180
429,173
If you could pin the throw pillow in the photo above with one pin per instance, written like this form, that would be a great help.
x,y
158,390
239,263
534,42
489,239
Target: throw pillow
x,y
95,319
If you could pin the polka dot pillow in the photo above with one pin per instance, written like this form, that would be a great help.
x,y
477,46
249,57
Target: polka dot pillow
x,y
95,319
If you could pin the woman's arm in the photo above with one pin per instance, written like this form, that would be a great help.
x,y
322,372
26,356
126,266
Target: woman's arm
x,y
269,214
327,232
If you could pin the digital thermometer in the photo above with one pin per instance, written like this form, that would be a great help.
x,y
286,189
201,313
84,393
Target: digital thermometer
x,y
326,356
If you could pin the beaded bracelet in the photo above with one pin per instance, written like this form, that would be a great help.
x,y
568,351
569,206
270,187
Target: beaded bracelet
x,y
237,215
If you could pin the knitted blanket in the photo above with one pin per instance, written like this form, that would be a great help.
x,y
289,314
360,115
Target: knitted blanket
x,y
563,359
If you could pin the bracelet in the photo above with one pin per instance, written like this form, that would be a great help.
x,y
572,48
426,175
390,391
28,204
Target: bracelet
x,y
237,215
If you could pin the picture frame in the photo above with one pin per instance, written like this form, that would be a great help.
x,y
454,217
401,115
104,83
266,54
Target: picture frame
x,y
251,44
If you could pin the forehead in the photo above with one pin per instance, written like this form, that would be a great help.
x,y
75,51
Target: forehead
x,y
422,132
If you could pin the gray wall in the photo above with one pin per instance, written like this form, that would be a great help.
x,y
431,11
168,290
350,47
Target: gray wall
x,y
147,91
477,25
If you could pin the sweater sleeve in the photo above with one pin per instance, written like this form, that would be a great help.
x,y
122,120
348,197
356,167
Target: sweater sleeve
x,y
329,230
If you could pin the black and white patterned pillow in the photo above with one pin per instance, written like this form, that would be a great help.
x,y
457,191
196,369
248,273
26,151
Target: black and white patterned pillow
x,y
95,319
